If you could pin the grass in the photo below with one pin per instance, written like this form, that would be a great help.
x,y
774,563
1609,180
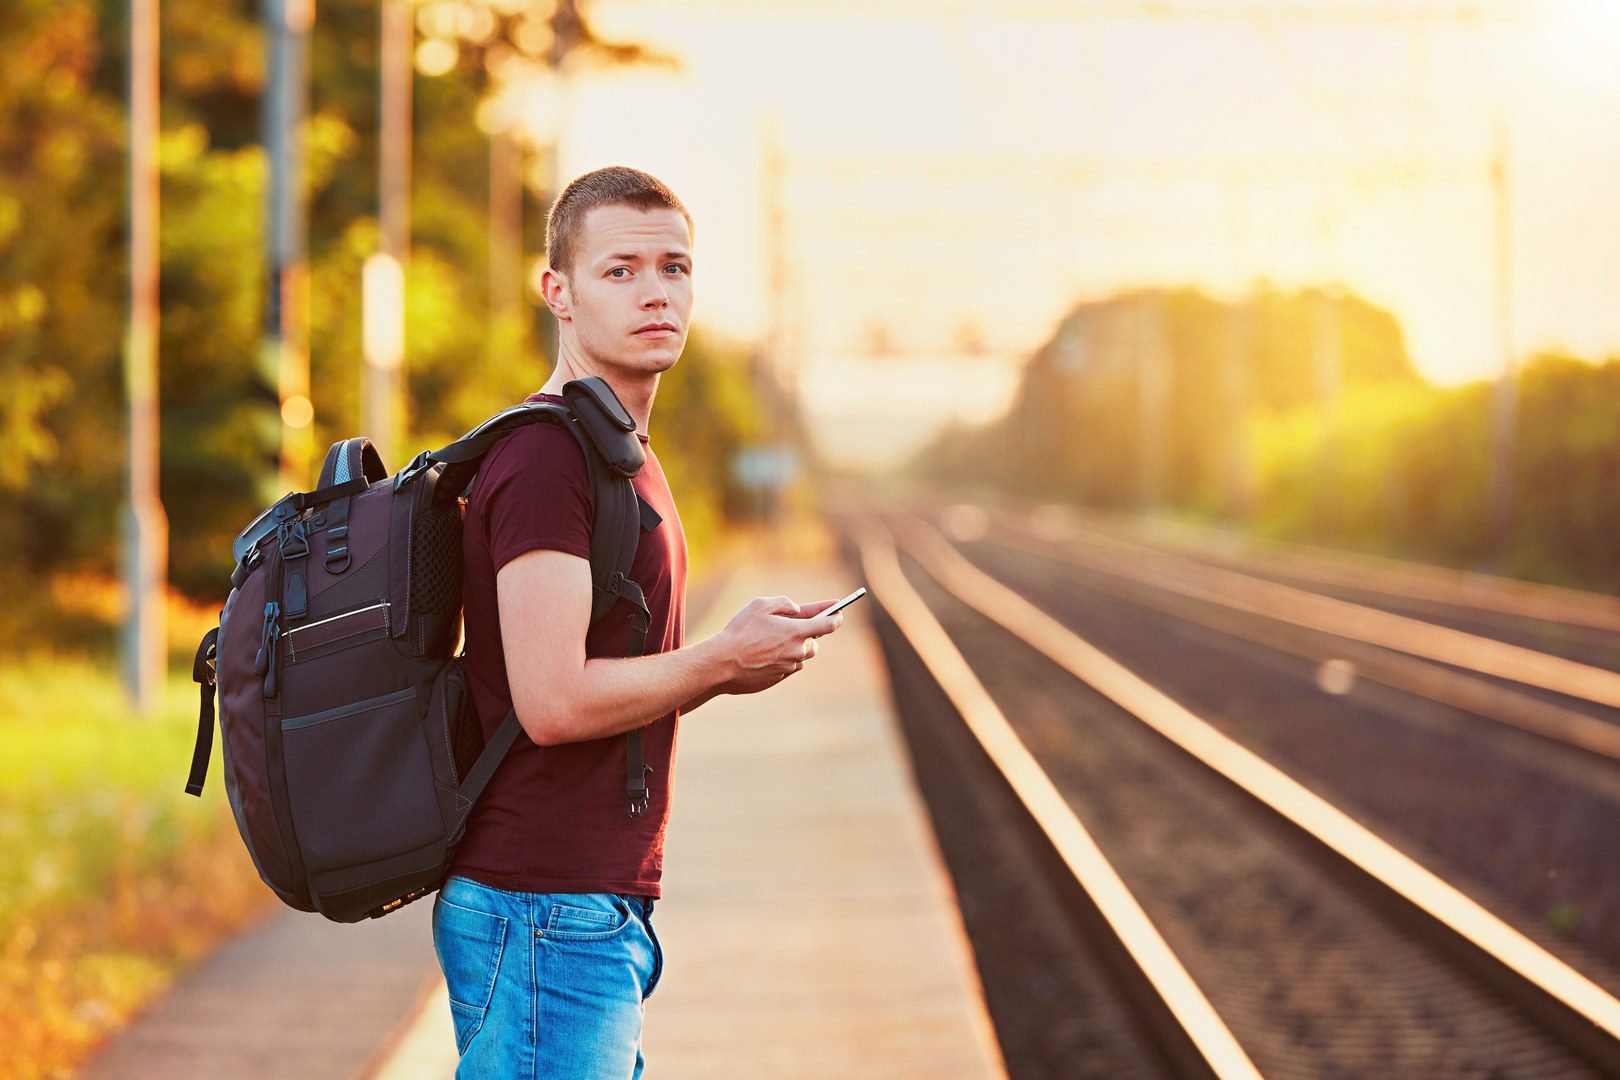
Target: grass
x,y
112,880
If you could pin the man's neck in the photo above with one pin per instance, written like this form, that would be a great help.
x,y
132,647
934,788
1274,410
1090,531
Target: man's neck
x,y
635,394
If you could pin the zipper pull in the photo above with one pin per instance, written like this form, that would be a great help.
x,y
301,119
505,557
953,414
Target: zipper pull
x,y
267,634
271,679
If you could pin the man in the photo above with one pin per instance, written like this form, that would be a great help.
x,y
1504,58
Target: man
x,y
544,927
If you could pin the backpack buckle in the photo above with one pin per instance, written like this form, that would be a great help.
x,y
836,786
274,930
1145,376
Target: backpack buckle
x,y
419,464
636,796
294,541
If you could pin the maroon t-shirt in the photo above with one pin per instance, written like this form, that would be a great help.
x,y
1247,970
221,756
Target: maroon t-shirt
x,y
553,817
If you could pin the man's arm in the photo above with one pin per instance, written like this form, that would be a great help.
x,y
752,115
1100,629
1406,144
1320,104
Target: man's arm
x,y
560,696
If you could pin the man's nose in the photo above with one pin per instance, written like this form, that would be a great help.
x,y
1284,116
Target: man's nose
x,y
656,296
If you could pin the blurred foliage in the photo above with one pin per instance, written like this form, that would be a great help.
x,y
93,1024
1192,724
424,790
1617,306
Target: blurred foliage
x,y
705,413
1076,428
63,273
113,880
1410,474
1259,432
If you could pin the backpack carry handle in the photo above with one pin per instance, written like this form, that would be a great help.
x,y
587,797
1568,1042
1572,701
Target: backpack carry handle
x,y
348,461
350,458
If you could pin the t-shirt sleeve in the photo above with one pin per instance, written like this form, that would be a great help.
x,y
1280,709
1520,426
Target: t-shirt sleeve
x,y
533,493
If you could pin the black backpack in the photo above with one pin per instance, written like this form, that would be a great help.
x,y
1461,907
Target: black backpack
x,y
352,753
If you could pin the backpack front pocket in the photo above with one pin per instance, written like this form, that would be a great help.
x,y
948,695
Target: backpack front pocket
x,y
346,656
336,632
355,777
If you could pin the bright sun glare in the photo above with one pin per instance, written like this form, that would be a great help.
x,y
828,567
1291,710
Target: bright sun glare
x,y
926,179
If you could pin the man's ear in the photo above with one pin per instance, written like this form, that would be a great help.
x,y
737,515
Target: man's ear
x,y
554,287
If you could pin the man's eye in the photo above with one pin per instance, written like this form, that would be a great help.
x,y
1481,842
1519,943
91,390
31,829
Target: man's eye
x,y
675,268
619,272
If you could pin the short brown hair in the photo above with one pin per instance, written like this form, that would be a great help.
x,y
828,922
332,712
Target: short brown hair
x,y
616,185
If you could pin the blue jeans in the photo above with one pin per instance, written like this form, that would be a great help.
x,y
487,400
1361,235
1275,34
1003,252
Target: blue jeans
x,y
545,986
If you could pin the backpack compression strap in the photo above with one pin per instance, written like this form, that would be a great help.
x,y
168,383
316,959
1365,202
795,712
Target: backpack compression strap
x,y
202,672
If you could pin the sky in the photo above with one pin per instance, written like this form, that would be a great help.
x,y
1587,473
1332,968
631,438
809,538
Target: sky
x,y
902,198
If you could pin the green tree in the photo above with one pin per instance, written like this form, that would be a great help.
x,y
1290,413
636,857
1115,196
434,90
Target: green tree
x,y
63,278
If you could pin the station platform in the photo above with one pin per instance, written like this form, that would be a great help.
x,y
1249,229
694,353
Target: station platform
x,y
808,924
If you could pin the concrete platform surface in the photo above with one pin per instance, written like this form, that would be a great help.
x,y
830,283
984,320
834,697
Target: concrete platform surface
x,y
808,924
293,998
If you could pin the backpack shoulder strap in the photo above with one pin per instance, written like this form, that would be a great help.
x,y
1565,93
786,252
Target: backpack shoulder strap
x,y
615,535
613,456
461,458
605,433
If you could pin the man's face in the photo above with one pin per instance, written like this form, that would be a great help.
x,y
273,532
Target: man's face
x,y
629,294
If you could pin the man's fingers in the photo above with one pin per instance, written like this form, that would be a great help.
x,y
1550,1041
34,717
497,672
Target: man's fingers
x,y
778,605
824,624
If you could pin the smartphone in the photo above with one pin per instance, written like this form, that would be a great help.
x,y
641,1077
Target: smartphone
x,y
846,601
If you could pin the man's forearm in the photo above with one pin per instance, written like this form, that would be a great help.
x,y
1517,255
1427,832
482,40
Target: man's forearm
x,y
612,695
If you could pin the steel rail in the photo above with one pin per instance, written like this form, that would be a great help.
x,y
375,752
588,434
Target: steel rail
x,y
1129,923
1398,670
1285,603
1558,994
1406,580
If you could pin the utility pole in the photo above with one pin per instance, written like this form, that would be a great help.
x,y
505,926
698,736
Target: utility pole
x,y
145,527
284,347
1237,366
1154,378
1237,360
1504,416
382,400
771,372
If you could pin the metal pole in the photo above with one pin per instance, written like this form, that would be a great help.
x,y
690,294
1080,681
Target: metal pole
x,y
1237,362
284,347
1154,376
144,526
1327,360
1237,359
1504,415
382,399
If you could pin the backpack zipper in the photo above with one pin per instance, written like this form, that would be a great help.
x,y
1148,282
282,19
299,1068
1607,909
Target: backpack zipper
x,y
268,662
363,627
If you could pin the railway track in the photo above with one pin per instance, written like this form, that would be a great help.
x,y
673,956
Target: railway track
x,y
1260,929
1579,626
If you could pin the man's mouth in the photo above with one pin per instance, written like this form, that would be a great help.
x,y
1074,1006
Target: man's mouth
x,y
657,330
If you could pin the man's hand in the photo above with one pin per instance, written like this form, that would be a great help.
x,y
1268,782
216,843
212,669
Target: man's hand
x,y
770,639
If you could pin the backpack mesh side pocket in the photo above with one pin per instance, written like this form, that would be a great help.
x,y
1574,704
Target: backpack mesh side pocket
x,y
435,600
465,733
436,562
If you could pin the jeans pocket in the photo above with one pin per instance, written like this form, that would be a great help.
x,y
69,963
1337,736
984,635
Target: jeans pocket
x,y
589,917
469,944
